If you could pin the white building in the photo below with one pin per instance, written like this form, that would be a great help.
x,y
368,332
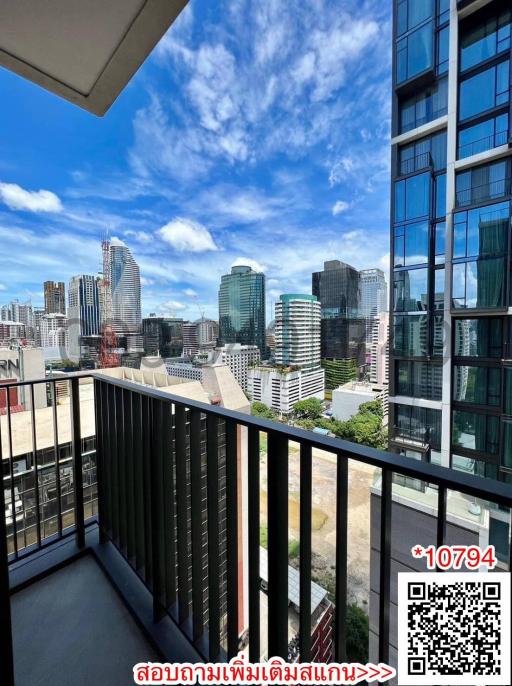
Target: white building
x,y
184,370
373,297
297,331
281,389
347,399
22,313
125,286
54,330
379,351
239,358
207,332
11,330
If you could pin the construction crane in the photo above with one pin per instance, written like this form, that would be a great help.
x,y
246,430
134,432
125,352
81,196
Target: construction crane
x,y
109,357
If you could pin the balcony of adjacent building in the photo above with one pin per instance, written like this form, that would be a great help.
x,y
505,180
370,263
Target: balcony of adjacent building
x,y
133,532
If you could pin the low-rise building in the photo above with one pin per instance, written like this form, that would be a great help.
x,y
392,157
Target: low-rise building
x,y
347,399
54,330
280,388
239,358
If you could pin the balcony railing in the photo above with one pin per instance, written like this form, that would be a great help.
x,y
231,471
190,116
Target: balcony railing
x,y
487,191
483,144
169,493
414,164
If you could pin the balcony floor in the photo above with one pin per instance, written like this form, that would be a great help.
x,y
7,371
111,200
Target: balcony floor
x,y
72,628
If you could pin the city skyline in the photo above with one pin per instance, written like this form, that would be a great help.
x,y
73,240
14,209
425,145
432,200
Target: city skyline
x,y
287,201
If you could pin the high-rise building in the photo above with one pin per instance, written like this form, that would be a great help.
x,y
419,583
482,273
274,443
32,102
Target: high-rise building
x,y
54,330
207,333
450,224
343,330
54,297
18,312
239,358
242,308
190,341
83,311
163,336
125,288
374,297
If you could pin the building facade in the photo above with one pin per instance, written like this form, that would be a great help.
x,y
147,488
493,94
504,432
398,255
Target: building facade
x,y
163,336
239,358
125,288
242,308
379,351
54,297
83,311
54,331
281,389
297,331
374,297
451,217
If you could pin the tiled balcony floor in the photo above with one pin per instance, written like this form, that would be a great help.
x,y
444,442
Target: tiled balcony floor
x,y
71,628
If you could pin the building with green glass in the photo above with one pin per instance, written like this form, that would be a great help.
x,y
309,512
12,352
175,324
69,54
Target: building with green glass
x,y
242,308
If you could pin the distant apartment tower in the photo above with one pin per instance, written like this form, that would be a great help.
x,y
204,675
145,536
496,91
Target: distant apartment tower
x,y
343,331
242,308
125,287
379,352
54,297
190,340
374,297
83,311
54,330
22,313
239,358
207,333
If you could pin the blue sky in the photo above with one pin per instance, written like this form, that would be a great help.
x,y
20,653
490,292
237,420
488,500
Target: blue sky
x,y
255,132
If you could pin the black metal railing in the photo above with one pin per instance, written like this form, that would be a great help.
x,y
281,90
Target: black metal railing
x,y
483,144
413,164
169,492
484,192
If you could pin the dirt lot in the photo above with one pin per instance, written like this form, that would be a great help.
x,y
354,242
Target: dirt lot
x,y
324,518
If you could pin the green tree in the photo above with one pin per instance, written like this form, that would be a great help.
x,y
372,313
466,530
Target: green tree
x,y
261,410
311,408
357,635
373,407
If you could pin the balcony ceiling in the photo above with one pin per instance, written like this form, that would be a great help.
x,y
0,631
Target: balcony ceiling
x,y
87,51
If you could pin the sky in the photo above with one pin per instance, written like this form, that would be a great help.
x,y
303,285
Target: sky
x,y
256,133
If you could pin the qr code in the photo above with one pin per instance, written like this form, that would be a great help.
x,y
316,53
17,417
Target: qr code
x,y
454,628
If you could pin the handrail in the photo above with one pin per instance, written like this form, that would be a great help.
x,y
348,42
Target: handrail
x,y
491,142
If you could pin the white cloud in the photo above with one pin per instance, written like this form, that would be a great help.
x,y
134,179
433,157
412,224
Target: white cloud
x,y
139,236
186,235
144,281
190,293
246,261
2,287
17,198
339,207
172,306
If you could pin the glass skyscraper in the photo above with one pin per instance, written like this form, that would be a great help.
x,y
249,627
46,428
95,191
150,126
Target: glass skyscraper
x,y
125,285
450,354
242,308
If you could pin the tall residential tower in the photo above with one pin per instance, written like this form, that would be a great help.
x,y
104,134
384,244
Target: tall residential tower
x,y
125,288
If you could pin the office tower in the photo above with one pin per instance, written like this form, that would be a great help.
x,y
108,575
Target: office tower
x,y
374,297
162,336
343,331
83,311
450,224
54,330
242,308
297,374
54,297
125,289
190,341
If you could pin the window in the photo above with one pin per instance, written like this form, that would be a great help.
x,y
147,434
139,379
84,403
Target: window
x,y
439,289
508,391
420,424
410,13
443,11
475,431
479,284
443,50
440,240
488,89
419,379
481,232
478,337
479,184
440,203
414,53
477,467
477,385
506,457
482,42
411,244
438,335
483,136
412,197
424,107
426,152
410,335
410,290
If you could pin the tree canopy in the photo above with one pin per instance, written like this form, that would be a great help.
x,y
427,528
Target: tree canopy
x,y
264,411
310,408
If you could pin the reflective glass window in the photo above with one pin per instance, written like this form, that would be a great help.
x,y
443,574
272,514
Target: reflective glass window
x,y
412,197
440,241
411,244
475,431
477,385
481,232
484,91
424,106
478,337
443,50
410,335
479,284
414,53
483,136
410,13
411,290
419,379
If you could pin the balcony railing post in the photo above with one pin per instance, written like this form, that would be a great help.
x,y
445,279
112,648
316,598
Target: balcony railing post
x,y
385,564
6,654
76,443
100,414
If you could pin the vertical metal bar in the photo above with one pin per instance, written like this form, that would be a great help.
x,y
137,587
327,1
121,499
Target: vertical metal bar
x,y
385,564
11,465
129,460
120,395
100,469
232,535
168,490
212,462
114,471
340,622
6,653
138,480
253,483
76,443
146,467
157,519
56,454
441,515
305,552
182,519
35,465
196,507
277,545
